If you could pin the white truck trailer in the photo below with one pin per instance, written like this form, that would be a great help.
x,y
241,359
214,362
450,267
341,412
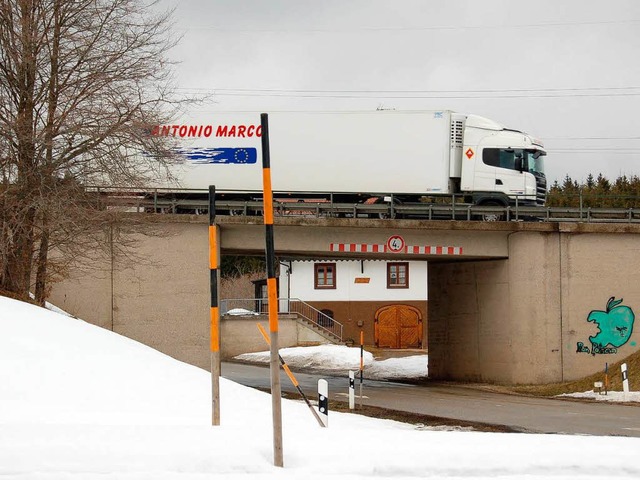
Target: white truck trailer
x,y
356,155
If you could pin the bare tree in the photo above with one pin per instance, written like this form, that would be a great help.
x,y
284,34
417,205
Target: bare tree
x,y
81,83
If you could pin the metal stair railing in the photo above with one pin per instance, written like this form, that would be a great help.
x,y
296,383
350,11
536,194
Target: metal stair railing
x,y
317,318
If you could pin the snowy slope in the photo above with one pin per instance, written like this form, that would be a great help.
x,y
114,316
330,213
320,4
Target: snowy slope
x,y
79,402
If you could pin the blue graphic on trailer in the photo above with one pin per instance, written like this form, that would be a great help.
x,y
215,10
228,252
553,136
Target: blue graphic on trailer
x,y
243,155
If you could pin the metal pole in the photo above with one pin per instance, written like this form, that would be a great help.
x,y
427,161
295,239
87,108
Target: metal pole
x,y
453,206
581,203
276,402
214,311
392,212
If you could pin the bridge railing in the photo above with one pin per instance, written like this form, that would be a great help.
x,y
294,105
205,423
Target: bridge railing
x,y
260,306
578,209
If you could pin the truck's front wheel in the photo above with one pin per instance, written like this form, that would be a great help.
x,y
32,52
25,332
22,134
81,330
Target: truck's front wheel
x,y
492,216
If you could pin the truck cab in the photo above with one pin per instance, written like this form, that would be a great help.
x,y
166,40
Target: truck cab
x,y
501,166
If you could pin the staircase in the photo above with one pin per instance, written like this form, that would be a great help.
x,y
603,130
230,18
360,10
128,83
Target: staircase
x,y
317,320
307,315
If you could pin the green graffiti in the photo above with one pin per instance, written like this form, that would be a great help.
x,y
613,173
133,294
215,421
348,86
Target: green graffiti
x,y
615,325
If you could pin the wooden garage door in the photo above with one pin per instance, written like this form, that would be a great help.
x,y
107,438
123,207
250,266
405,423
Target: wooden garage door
x,y
398,326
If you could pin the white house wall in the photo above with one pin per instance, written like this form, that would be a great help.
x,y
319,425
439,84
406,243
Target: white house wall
x,y
300,284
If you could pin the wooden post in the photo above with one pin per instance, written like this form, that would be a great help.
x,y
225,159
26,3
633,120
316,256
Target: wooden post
x,y
272,294
214,311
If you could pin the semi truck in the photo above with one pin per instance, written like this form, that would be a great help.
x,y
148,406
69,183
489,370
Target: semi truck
x,y
356,156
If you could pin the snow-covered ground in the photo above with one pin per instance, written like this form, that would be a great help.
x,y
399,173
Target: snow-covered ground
x,y
340,359
606,397
79,402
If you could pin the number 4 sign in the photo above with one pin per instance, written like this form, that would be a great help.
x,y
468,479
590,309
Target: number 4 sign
x,y
395,244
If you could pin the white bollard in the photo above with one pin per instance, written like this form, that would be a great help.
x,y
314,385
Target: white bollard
x,y
625,381
323,401
352,390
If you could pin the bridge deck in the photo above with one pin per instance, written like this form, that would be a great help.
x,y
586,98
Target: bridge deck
x,y
325,237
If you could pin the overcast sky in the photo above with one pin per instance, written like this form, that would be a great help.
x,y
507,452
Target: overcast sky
x,y
566,71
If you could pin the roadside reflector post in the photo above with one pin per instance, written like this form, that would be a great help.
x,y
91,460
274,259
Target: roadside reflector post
x,y
214,314
272,294
361,363
606,378
352,390
625,381
323,401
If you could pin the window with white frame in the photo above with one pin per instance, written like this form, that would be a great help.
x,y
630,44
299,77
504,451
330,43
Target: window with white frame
x,y
324,275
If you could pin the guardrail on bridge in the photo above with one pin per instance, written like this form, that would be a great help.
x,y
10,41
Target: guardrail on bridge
x,y
193,202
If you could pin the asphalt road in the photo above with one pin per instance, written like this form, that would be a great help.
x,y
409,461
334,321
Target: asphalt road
x,y
528,414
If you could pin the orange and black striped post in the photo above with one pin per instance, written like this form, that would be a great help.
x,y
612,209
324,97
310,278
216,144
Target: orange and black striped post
x,y
272,293
214,314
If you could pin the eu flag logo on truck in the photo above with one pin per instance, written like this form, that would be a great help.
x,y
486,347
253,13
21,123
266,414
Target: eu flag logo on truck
x,y
243,155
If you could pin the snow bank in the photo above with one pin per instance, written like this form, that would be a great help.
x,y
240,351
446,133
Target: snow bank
x,y
79,402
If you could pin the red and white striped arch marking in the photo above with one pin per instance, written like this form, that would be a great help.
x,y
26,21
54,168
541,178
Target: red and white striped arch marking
x,y
382,248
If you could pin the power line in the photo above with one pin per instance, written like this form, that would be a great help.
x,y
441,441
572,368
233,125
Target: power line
x,y
583,149
426,94
590,138
284,90
416,97
592,151
227,30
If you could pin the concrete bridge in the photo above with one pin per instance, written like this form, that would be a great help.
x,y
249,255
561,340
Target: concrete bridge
x,y
509,302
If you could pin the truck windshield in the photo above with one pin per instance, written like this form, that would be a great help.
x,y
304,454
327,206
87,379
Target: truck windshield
x,y
535,161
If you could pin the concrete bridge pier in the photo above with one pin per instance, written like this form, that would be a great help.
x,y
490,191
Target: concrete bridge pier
x,y
561,306
498,320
